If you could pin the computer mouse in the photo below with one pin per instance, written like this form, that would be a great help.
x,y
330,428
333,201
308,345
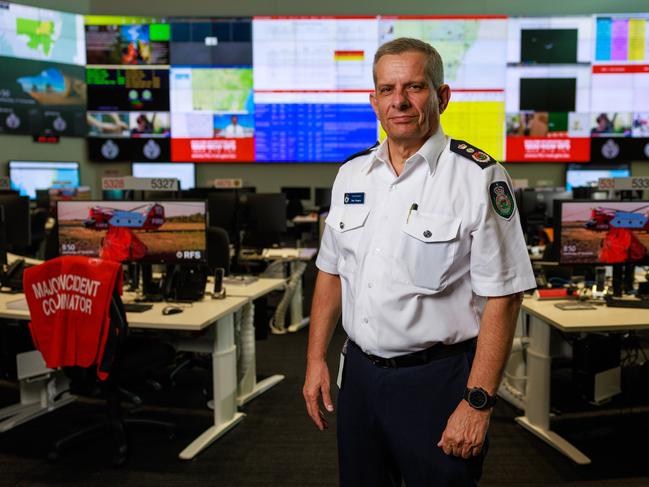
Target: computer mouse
x,y
171,310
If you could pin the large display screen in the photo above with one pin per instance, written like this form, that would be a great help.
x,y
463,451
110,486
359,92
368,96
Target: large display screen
x,y
620,87
587,175
28,176
474,52
312,79
548,89
185,172
42,86
604,232
137,231
128,88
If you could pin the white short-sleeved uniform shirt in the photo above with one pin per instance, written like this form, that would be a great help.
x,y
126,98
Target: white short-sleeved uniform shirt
x,y
418,254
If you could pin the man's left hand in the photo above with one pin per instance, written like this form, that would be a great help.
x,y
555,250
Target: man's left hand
x,y
465,431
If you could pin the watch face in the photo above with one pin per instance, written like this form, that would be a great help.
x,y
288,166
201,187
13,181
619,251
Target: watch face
x,y
478,398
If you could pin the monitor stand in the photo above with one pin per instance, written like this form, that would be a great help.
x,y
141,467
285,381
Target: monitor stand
x,y
623,276
151,288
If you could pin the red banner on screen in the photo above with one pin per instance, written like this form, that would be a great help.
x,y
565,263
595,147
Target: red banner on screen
x,y
524,149
213,150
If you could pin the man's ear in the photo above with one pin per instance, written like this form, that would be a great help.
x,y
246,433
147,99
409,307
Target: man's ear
x,y
374,103
444,96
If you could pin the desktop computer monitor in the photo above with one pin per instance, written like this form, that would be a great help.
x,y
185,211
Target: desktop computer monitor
x,y
17,221
597,232
184,172
587,175
296,193
28,176
264,219
223,208
161,232
323,197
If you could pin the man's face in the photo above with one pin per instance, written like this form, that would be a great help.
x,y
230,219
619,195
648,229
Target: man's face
x,y
404,101
234,119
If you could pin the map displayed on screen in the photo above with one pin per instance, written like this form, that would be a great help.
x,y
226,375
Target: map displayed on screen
x,y
42,84
212,100
473,50
41,34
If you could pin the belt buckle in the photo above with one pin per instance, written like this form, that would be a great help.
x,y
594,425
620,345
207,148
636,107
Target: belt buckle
x,y
378,361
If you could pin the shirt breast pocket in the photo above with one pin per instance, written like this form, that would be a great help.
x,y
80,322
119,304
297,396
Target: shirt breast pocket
x,y
348,223
427,247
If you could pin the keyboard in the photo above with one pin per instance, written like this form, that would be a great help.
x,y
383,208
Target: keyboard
x,y
137,307
627,303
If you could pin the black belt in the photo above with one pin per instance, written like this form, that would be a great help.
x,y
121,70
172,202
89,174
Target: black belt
x,y
436,352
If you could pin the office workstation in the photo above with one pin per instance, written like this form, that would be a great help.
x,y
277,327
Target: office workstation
x,y
197,144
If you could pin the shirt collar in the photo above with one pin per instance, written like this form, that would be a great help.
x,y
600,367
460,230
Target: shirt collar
x,y
430,152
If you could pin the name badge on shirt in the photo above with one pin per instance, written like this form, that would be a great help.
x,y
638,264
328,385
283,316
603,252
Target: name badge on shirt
x,y
354,198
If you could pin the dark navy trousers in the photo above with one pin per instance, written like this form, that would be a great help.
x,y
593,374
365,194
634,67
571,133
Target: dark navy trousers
x,y
390,420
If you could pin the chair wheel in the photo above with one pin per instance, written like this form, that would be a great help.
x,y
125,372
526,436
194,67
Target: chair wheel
x,y
119,458
53,456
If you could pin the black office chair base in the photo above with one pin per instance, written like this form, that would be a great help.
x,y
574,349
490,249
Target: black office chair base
x,y
117,428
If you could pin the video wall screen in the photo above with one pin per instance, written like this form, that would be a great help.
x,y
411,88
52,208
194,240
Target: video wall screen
x,y
474,52
128,88
271,89
548,89
620,87
212,101
42,85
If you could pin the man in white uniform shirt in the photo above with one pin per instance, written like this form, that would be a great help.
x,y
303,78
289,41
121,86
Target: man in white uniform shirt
x,y
422,252
233,130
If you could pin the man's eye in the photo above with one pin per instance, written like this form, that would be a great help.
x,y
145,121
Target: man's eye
x,y
385,90
414,87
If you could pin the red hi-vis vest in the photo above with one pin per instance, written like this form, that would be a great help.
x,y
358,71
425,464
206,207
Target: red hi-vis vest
x,y
69,303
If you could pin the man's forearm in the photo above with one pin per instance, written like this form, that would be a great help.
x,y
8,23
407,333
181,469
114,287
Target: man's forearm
x,y
494,341
325,312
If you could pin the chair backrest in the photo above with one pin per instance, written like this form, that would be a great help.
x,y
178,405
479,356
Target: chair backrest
x,y
77,317
218,249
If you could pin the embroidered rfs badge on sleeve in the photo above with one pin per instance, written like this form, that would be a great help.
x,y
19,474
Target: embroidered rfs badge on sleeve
x,y
501,199
472,153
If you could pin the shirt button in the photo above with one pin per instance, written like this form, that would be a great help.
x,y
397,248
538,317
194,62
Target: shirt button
x,y
377,250
369,284
365,320
427,234
341,225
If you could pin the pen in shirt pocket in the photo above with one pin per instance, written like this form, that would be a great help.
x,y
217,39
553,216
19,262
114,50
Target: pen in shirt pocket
x,y
413,207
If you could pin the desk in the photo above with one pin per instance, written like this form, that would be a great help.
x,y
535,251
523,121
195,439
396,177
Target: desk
x,y
248,387
543,315
217,317
290,255
214,316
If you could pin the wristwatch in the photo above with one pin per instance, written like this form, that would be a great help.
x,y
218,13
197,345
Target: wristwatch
x,y
478,398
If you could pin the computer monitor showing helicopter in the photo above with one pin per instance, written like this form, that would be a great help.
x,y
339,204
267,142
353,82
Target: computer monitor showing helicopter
x,y
156,232
603,232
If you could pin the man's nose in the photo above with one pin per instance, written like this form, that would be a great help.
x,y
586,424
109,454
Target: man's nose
x,y
400,100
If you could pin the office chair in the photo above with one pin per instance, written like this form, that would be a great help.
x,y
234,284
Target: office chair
x,y
129,356
38,221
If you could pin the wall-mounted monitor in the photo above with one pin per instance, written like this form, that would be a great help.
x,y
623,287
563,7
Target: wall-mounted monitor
x,y
185,172
169,232
587,175
28,176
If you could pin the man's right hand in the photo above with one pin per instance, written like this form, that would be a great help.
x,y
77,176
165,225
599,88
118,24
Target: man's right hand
x,y
316,385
